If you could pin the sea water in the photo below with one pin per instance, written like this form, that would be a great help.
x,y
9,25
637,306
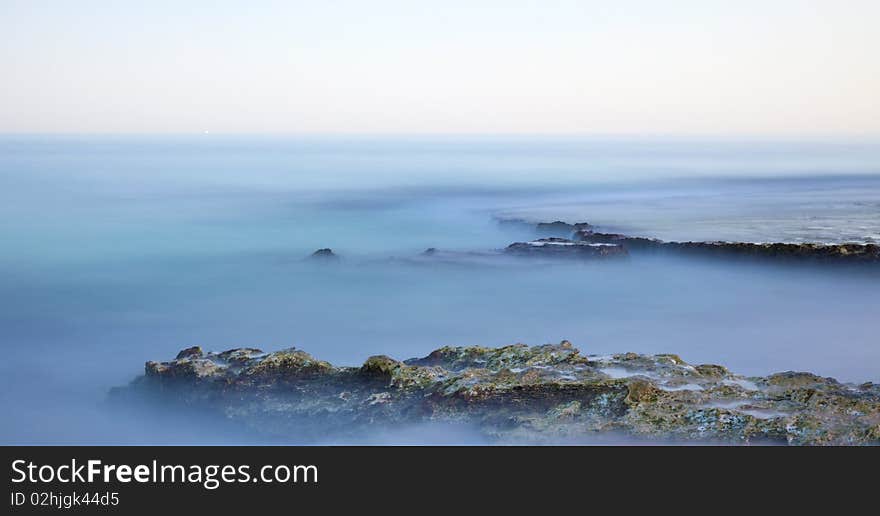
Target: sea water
x,y
118,250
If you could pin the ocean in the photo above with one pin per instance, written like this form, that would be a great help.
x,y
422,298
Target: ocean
x,y
123,249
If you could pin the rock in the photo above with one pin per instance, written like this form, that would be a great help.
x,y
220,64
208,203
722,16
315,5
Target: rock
x,y
193,352
630,243
512,394
641,391
841,253
563,248
240,355
187,368
562,234
286,364
380,366
712,370
325,254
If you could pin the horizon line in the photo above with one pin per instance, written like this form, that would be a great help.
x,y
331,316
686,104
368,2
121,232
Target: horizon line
x,y
865,137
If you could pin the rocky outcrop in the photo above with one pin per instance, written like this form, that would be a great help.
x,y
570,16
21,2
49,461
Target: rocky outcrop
x,y
562,247
806,252
632,243
512,394
839,253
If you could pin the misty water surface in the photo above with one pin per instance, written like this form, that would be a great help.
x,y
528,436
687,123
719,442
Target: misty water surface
x,y
122,250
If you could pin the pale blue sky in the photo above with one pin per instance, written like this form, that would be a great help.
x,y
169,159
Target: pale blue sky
x,y
768,67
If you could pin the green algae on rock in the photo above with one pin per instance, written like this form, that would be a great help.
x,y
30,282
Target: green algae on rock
x,y
513,394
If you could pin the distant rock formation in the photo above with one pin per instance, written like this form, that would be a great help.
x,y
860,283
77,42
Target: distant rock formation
x,y
848,253
324,254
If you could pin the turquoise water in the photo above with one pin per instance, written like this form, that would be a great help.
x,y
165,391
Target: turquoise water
x,y
121,250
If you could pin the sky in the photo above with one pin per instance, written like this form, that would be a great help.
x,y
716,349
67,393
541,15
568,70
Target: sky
x,y
675,67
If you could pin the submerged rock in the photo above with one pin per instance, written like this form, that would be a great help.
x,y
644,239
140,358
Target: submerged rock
x,y
563,247
324,254
517,393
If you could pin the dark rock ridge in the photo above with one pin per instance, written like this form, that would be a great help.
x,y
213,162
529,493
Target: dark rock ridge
x,y
844,253
512,394
585,232
851,253
633,243
563,247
